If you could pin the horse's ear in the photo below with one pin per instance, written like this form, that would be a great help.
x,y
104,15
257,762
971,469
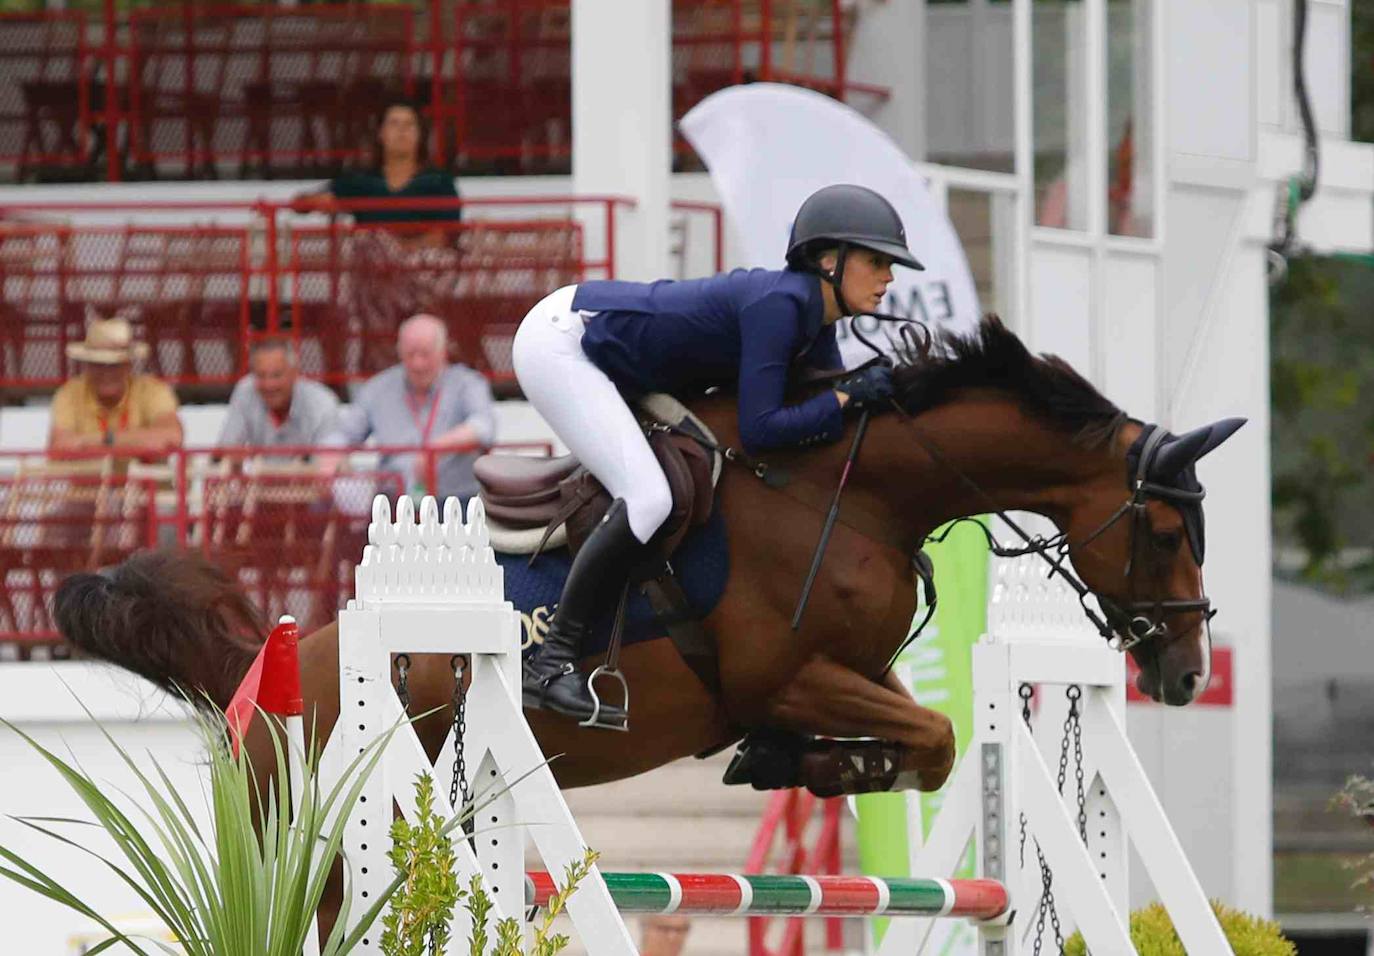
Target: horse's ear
x,y
1218,432
1178,453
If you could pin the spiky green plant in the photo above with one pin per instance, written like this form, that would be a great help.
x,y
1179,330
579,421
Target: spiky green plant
x,y
237,890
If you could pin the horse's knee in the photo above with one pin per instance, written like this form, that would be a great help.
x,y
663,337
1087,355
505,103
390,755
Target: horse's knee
x,y
936,738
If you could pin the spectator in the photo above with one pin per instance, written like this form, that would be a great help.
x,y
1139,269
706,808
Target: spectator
x,y
108,405
424,401
399,171
273,405
402,268
664,934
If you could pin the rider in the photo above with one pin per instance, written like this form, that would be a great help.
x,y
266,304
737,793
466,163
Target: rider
x,y
584,350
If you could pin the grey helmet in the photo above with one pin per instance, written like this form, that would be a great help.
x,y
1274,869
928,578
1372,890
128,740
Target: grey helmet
x,y
841,217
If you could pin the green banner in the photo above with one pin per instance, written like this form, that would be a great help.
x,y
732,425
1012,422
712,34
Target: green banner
x,y
939,668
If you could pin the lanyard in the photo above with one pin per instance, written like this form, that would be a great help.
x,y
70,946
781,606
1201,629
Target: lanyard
x,y
417,407
104,419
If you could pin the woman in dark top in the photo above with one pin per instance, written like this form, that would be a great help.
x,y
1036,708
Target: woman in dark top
x,y
584,349
398,172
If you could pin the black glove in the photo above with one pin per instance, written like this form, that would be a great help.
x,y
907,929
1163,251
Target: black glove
x,y
870,386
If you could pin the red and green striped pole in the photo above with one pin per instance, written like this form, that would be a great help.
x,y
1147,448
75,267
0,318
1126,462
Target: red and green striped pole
x,y
727,894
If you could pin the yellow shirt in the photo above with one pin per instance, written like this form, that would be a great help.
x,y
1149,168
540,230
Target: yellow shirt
x,y
75,408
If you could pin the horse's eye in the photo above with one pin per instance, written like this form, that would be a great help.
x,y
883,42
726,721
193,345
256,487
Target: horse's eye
x,y
1167,540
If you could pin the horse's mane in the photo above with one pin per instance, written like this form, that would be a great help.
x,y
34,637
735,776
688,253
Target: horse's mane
x,y
994,358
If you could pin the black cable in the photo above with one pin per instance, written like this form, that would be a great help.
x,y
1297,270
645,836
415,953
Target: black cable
x,y
1304,184
1307,186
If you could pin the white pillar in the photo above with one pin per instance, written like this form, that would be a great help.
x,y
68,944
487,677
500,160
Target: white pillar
x,y
622,136
888,48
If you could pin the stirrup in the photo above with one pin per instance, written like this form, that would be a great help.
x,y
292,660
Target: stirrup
x,y
594,720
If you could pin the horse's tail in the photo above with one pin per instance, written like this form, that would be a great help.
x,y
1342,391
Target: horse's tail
x,y
170,616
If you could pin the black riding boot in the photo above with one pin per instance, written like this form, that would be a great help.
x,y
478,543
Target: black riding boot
x,y
551,678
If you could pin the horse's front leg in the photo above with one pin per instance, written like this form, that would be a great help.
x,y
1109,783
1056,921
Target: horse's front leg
x,y
828,699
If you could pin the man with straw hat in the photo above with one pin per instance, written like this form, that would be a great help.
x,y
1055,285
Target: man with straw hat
x,y
108,405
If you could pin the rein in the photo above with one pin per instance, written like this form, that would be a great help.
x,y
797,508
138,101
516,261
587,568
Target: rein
x,y
1126,626
1123,626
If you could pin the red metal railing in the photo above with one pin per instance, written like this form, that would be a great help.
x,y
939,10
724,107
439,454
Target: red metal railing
x,y
191,89
291,530
199,294
716,219
789,818
275,88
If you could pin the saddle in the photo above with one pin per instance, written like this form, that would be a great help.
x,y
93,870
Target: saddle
x,y
560,501
534,504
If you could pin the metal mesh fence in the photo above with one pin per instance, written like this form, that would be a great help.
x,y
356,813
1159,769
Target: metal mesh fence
x,y
289,523
184,288
198,295
43,96
276,91
349,289
292,540
64,519
210,90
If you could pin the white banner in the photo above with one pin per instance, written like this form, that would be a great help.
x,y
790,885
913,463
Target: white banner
x,y
769,146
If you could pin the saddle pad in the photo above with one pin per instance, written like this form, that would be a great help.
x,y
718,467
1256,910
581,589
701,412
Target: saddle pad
x,y
702,564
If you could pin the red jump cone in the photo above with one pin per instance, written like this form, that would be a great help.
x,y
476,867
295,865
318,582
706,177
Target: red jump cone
x,y
273,682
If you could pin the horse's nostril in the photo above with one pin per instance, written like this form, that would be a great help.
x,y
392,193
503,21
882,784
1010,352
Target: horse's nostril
x,y
1191,681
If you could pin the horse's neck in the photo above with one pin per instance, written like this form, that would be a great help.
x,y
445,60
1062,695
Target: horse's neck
x,y
1013,462
976,455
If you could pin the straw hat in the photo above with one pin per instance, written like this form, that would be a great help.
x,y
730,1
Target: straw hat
x,y
108,342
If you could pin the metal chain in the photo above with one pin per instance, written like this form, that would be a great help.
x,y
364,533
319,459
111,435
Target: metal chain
x,y
1075,694
1073,732
403,680
1026,692
1064,746
460,729
1047,906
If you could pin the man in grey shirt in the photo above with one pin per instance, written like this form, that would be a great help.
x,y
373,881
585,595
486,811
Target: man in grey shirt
x,y
428,402
274,406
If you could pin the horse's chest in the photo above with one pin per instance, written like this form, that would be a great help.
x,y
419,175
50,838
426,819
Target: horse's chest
x,y
869,598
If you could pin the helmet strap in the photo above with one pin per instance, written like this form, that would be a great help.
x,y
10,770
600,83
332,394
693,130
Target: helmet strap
x,y
836,277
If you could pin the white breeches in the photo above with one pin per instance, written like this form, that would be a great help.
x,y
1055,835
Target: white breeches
x,y
586,410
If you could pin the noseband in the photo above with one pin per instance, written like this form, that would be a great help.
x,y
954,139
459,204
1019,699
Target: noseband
x,y
1125,625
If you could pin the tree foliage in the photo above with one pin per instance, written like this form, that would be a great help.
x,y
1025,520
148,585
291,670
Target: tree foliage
x,y
1322,390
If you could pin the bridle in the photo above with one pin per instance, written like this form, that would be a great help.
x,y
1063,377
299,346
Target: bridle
x,y
1123,626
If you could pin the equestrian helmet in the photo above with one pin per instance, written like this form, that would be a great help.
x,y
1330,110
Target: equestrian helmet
x,y
846,215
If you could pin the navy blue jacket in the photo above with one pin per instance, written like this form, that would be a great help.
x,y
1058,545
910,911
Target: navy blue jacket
x,y
747,326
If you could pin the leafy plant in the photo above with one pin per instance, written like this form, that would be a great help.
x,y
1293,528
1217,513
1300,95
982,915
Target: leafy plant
x,y
420,912
1357,798
1152,934
1321,386
418,917
546,942
237,890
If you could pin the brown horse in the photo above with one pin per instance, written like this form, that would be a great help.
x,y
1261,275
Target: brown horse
x,y
1009,430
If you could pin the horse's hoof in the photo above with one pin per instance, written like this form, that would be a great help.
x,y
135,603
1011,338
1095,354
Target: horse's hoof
x,y
766,761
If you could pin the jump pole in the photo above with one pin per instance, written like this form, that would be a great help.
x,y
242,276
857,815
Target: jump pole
x,y
729,894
